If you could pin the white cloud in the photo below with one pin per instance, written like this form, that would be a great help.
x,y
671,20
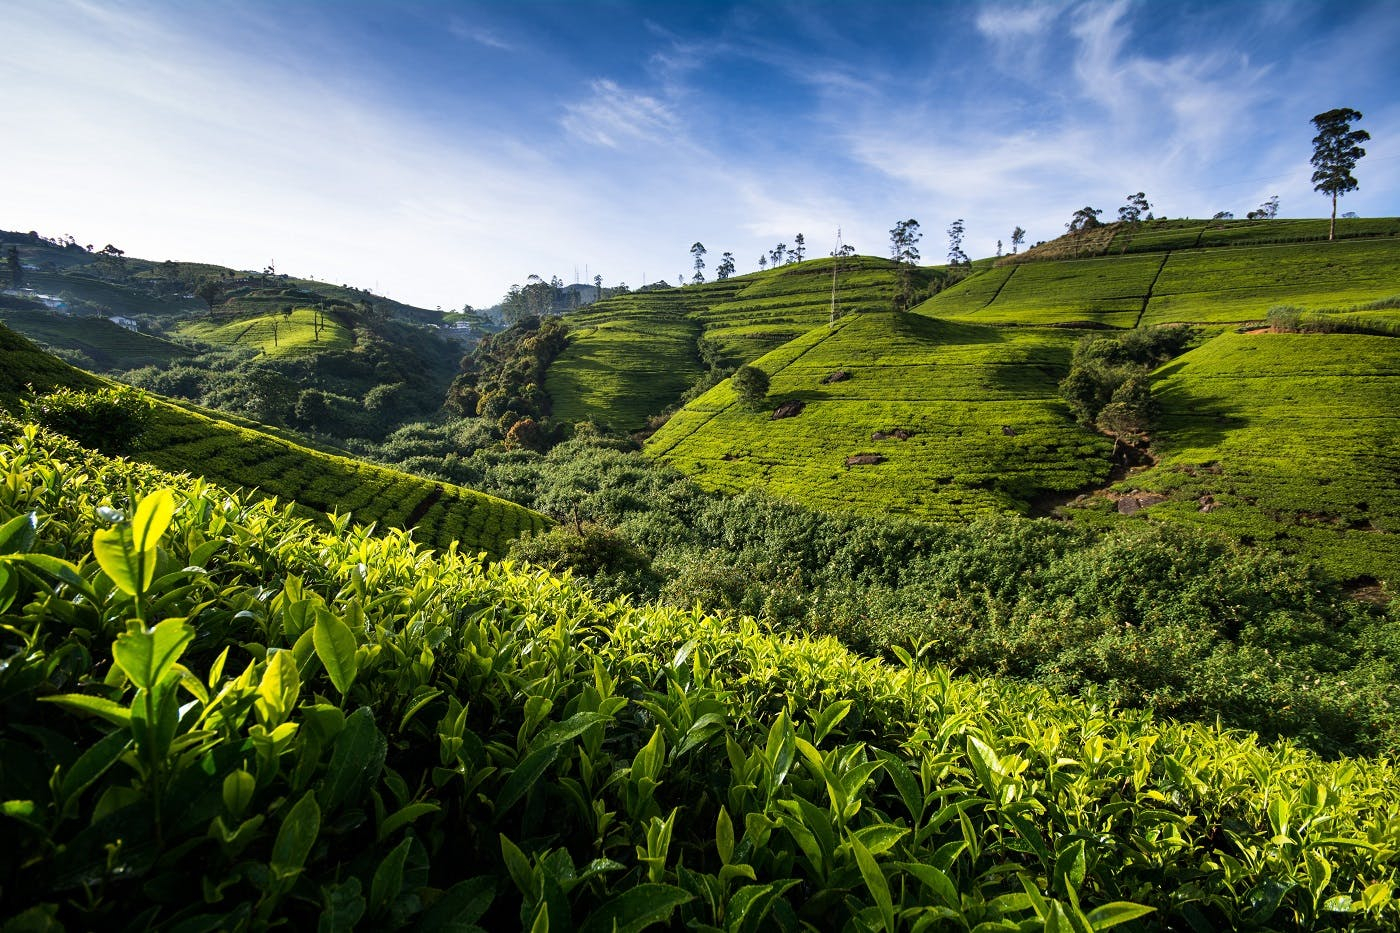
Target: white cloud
x,y
612,116
480,35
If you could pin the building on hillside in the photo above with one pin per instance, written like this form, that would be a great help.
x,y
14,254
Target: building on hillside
x,y
126,322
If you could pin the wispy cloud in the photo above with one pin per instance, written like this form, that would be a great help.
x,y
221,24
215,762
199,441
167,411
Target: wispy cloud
x,y
612,116
481,35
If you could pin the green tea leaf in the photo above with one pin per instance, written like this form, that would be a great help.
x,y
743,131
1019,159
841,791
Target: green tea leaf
x,y
1110,915
874,881
126,552
335,646
147,655
388,877
401,818
724,836
278,690
636,909
18,534
296,837
524,777
114,713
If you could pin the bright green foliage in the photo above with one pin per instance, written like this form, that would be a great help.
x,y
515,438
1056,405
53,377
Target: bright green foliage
x,y
272,332
634,356
1188,285
181,439
622,367
112,418
750,384
985,428
511,754
1290,438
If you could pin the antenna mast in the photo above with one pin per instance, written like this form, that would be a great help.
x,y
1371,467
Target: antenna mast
x,y
835,266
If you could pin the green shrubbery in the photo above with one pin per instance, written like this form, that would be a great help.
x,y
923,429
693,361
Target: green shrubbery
x,y
1172,618
219,717
110,420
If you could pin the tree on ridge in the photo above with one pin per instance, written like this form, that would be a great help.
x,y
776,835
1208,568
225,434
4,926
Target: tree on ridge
x,y
1336,149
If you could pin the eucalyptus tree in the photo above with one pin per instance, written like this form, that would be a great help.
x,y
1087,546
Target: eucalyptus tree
x,y
1336,149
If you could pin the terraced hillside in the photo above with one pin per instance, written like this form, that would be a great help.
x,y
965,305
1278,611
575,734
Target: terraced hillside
x,y
1198,285
1287,440
899,413
633,356
103,344
180,439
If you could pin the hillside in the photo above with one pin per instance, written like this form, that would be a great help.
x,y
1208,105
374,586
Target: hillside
x,y
180,439
931,419
633,356
356,729
1259,422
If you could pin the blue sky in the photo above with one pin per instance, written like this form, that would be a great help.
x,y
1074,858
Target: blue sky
x,y
439,151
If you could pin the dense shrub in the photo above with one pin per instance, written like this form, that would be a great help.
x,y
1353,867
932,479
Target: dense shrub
x,y
110,420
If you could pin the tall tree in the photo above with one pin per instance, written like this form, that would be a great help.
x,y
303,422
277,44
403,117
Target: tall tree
x,y
1018,236
800,249
956,256
1086,218
1266,211
904,250
1336,149
1132,212
762,261
998,249
697,250
598,285
210,291
779,254
16,267
726,266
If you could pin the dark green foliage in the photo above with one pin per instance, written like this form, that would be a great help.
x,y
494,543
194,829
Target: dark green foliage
x,y
502,379
751,385
1263,641
110,420
1112,369
278,726
613,565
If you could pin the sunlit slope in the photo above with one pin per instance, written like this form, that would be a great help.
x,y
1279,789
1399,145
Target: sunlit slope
x,y
1287,440
620,368
633,356
105,345
1200,285
985,428
183,440
273,333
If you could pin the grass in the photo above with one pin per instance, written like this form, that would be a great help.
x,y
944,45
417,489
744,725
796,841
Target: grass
x,y
1105,291
986,429
273,333
181,439
1294,437
106,345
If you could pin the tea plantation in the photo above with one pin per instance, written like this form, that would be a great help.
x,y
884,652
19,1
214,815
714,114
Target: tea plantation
x,y
221,717
928,418
103,344
1287,440
181,439
635,355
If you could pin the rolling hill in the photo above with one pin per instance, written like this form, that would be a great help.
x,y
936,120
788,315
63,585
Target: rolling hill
x,y
1287,440
179,438
633,356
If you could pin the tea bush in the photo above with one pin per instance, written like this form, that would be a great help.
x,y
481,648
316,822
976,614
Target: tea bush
x,y
218,716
